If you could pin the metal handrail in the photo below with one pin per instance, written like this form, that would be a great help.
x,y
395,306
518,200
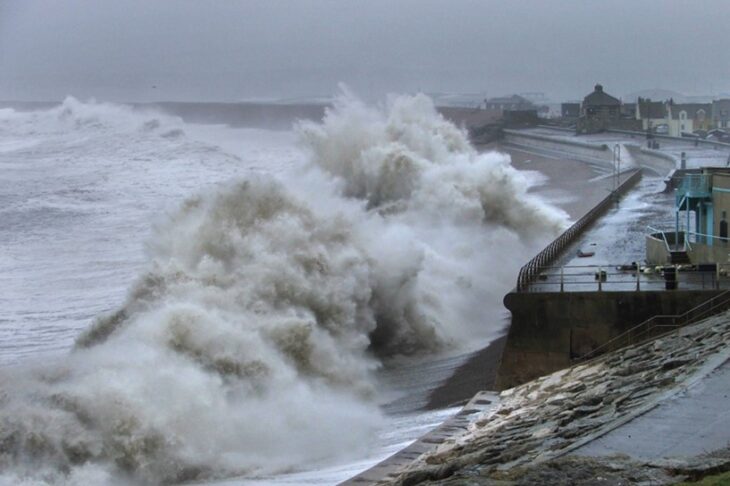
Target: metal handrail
x,y
687,244
685,237
687,234
694,183
622,277
715,237
687,318
664,237
530,270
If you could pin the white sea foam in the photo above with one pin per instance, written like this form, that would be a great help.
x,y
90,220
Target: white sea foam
x,y
248,344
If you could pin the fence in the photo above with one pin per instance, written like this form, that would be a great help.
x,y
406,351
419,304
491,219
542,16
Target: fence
x,y
623,278
529,272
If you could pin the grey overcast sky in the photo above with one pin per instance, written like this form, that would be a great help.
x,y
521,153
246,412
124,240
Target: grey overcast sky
x,y
234,50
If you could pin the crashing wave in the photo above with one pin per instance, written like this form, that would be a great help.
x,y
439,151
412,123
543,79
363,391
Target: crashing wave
x,y
250,342
407,153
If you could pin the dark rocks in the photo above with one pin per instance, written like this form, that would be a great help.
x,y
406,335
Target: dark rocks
x,y
674,363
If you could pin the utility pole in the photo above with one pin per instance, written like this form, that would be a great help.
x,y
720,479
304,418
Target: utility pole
x,y
616,170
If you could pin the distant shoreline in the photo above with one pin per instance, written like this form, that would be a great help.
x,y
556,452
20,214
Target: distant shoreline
x,y
256,114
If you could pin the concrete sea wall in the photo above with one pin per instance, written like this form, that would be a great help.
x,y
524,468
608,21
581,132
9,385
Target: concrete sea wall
x,y
659,162
560,147
550,329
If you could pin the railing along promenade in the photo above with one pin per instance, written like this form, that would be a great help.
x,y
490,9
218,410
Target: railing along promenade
x,y
633,277
529,272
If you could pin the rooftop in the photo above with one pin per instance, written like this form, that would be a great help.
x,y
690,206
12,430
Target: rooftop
x,y
652,109
693,110
600,98
514,99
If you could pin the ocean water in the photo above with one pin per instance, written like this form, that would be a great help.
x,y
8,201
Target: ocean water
x,y
201,303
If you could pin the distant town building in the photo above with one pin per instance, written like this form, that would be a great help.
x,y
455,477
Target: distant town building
x,y
598,111
468,118
686,118
600,104
721,113
570,110
674,119
653,115
628,110
536,97
511,103
520,118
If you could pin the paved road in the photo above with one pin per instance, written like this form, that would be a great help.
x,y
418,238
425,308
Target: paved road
x,y
690,424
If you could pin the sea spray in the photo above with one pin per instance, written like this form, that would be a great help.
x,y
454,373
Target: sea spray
x,y
409,156
469,214
248,345
243,350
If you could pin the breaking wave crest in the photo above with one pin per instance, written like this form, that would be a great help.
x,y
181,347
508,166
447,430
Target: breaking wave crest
x,y
409,157
249,344
73,115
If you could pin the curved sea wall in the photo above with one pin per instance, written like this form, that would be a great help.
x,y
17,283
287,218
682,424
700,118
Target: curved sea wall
x,y
560,147
551,329
654,160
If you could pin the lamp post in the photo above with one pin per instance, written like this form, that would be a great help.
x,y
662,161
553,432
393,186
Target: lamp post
x,y
616,169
